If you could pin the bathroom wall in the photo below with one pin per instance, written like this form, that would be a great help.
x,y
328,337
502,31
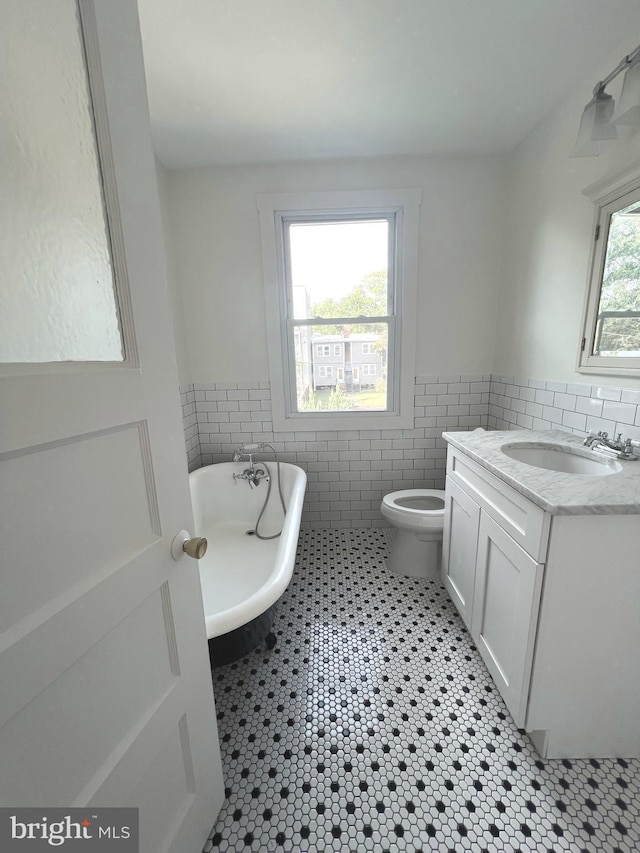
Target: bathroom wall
x,y
504,255
348,471
216,237
180,329
576,407
548,240
216,271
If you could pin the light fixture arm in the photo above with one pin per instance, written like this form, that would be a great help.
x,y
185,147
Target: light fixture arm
x,y
625,63
601,116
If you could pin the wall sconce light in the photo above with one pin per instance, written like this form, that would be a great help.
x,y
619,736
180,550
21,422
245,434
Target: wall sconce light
x,y
601,116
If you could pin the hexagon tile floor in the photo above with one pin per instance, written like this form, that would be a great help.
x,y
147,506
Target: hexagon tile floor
x,y
374,725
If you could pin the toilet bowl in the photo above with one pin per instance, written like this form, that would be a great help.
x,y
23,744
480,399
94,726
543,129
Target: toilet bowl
x,y
418,516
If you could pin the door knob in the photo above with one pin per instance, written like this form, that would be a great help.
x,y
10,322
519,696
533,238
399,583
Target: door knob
x,y
184,544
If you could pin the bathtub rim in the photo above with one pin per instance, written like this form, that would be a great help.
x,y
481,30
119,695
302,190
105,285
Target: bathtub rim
x,y
270,591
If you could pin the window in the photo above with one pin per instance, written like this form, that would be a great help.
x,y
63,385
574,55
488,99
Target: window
x,y
340,272
368,369
365,349
325,372
610,340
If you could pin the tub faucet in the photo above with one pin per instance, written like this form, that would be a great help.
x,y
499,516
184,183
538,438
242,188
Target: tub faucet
x,y
238,456
252,475
247,451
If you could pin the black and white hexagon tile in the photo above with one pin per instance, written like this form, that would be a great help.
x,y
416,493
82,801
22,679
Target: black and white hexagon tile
x,y
374,725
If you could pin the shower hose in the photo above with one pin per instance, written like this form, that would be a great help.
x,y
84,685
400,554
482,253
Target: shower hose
x,y
266,500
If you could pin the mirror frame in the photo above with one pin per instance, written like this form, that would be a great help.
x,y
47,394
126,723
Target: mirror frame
x,y
609,194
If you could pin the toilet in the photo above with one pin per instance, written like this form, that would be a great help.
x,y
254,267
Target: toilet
x,y
418,516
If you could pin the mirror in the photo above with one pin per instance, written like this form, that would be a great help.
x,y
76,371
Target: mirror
x,y
57,295
611,335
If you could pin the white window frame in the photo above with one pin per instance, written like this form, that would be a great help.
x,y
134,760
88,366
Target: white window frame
x,y
404,205
325,371
365,349
323,350
369,369
609,194
337,350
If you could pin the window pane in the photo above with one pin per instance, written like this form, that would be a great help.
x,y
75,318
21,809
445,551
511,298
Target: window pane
x,y
57,299
341,368
618,321
339,269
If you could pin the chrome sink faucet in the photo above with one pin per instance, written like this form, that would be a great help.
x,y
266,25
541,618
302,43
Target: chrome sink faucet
x,y
621,448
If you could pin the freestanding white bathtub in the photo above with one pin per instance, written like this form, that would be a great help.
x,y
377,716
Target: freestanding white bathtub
x,y
241,575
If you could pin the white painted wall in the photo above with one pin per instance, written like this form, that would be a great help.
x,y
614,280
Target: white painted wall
x,y
173,275
216,249
548,239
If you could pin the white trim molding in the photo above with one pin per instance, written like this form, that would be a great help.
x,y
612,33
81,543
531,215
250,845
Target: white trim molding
x,y
405,205
609,194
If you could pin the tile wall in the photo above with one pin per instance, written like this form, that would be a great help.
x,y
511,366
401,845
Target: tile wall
x,y
350,470
573,407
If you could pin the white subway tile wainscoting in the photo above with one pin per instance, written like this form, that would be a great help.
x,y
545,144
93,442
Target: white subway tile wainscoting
x,y
348,470
573,407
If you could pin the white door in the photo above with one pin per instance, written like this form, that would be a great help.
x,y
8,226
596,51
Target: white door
x,y
106,695
505,613
459,544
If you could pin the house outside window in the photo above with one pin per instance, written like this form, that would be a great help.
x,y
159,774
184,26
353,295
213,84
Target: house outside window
x,y
340,274
325,372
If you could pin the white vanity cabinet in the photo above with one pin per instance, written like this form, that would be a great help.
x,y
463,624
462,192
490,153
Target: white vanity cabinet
x,y
552,603
492,544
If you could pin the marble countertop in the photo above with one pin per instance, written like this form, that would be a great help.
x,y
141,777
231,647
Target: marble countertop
x,y
555,492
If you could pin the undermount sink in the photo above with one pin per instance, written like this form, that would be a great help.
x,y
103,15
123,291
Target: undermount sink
x,y
565,460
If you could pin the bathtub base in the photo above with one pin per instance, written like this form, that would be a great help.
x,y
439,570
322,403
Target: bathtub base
x,y
236,644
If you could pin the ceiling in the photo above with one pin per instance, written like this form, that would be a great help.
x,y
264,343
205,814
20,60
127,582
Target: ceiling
x,y
250,81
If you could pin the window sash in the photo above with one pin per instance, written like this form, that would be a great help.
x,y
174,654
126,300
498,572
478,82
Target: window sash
x,y
393,390
609,195
337,217
373,204
391,319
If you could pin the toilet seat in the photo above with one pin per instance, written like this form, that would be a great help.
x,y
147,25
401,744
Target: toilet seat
x,y
415,509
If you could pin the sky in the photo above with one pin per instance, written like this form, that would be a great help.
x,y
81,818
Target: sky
x,y
330,259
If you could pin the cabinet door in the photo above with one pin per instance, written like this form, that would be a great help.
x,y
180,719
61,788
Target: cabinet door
x,y
459,544
505,613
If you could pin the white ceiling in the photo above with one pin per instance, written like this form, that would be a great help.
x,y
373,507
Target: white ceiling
x,y
249,81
